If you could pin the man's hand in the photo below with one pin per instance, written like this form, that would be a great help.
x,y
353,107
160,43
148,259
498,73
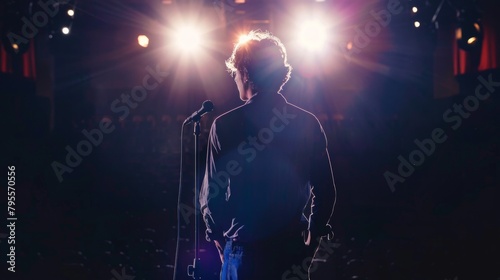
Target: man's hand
x,y
220,249
324,231
313,237
212,230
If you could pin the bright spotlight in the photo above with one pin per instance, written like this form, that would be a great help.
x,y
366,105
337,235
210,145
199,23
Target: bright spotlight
x,y
15,46
65,30
143,41
243,38
417,24
71,12
414,10
313,35
188,38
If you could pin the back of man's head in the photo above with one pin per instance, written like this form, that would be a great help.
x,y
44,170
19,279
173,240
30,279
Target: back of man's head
x,y
263,58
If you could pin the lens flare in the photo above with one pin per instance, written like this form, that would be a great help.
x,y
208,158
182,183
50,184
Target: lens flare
x,y
188,39
313,35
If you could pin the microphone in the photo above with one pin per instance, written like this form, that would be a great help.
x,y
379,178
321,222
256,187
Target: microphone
x,y
206,107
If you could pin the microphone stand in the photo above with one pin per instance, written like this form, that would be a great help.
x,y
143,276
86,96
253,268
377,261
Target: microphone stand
x,y
193,270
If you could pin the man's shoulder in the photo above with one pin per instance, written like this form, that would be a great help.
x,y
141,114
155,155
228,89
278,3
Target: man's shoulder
x,y
303,113
230,115
309,122
281,109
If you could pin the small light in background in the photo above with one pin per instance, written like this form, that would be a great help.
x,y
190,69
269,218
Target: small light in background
x,y
468,35
471,40
349,45
143,41
414,10
417,24
15,46
239,1
65,30
458,34
71,12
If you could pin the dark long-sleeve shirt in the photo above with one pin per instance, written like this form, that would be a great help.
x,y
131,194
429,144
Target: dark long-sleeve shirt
x,y
265,160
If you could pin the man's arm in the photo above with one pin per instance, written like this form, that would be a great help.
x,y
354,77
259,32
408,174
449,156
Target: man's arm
x,y
323,187
211,194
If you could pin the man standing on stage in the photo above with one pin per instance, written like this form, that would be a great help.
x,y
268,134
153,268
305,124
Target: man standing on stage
x,y
265,161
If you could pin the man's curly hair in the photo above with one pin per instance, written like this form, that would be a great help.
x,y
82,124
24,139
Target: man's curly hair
x,y
263,58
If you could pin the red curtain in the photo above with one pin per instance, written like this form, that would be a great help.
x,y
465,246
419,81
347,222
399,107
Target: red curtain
x,y
28,66
482,59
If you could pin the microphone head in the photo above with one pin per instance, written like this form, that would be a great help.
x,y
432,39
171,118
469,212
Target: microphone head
x,y
208,106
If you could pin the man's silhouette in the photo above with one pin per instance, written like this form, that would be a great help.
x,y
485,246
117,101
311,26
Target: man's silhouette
x,y
265,161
